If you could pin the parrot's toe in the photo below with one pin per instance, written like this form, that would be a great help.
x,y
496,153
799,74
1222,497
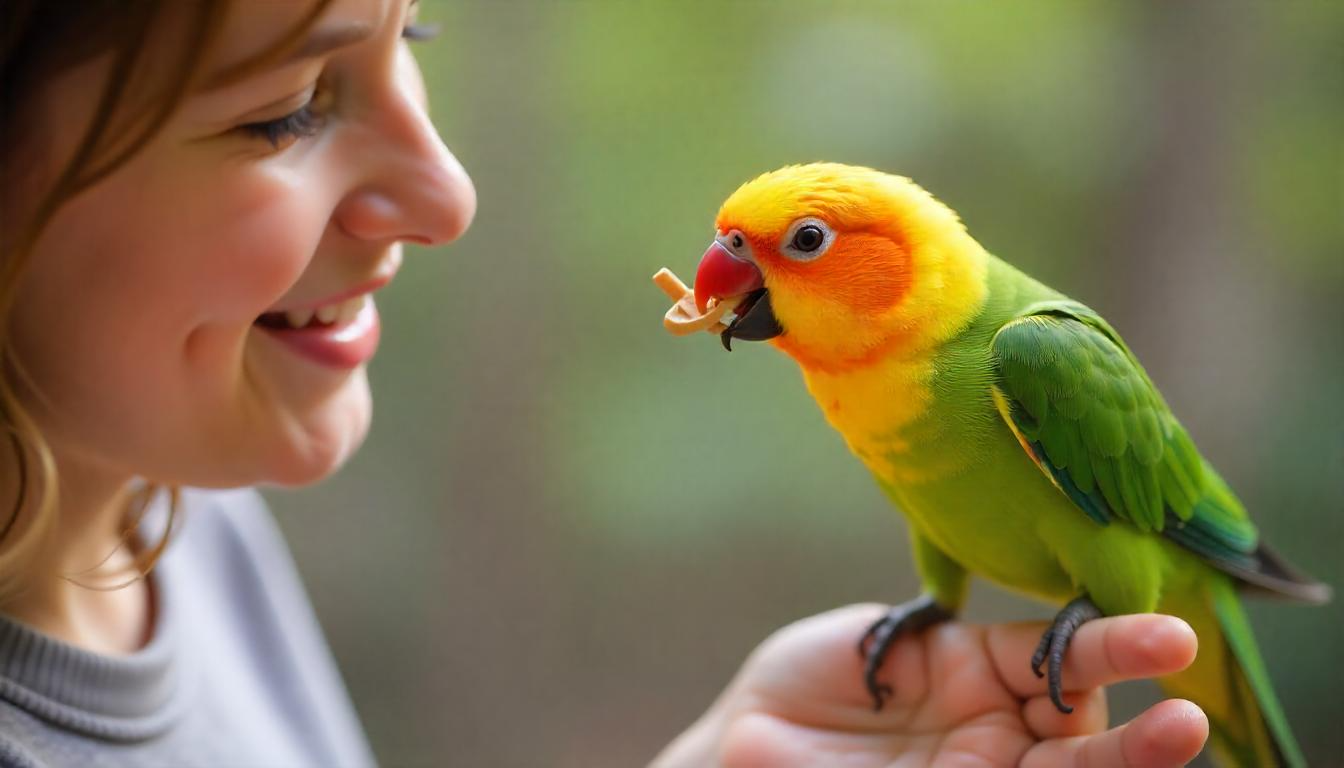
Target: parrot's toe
x,y
1055,642
916,615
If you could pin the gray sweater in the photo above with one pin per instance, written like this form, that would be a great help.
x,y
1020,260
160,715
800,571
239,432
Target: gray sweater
x,y
236,674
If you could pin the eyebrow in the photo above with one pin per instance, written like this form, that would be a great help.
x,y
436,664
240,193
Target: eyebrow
x,y
320,41
329,38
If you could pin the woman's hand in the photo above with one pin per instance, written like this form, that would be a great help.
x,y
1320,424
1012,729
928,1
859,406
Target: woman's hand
x,y
965,696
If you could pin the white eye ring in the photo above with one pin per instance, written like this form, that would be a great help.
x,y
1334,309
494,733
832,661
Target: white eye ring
x,y
804,233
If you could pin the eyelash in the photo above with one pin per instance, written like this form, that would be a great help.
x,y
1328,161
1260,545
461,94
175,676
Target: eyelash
x,y
301,123
305,121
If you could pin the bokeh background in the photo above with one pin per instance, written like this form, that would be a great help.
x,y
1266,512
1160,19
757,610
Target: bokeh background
x,y
567,529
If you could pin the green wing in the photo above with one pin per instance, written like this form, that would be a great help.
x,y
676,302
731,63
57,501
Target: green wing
x,y
1086,412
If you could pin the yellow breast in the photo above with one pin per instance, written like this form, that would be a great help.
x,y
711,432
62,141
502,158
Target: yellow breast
x,y
874,408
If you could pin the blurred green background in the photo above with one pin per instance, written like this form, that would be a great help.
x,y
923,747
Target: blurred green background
x,y
549,553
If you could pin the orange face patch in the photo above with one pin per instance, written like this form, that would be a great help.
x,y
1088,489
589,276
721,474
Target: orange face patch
x,y
866,272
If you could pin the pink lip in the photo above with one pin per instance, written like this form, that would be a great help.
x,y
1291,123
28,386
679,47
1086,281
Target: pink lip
x,y
368,287
343,347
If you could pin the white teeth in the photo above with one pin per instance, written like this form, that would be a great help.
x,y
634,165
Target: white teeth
x,y
340,313
349,309
298,317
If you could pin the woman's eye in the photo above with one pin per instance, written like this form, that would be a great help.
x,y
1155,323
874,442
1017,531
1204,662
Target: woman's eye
x,y
286,130
307,120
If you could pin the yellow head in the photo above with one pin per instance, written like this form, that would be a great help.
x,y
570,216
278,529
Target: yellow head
x,y
854,263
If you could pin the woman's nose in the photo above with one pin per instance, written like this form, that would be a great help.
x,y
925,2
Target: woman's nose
x,y
412,187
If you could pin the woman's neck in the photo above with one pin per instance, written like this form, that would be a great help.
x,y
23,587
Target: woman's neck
x,y
67,591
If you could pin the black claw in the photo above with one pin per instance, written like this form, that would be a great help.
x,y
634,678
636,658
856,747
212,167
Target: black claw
x,y
880,695
914,616
1038,658
1055,642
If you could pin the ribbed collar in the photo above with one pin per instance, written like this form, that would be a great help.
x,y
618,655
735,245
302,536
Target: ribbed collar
x,y
125,698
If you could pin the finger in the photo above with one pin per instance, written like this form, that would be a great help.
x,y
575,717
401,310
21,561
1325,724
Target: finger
x,y
1103,652
814,661
824,632
1045,721
1168,734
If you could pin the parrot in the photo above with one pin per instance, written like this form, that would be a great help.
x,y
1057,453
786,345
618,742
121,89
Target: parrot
x,y
1011,425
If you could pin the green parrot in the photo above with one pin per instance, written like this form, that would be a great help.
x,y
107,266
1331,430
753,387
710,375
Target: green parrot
x,y
1010,424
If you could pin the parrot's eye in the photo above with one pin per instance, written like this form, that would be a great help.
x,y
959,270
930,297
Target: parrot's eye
x,y
737,241
809,238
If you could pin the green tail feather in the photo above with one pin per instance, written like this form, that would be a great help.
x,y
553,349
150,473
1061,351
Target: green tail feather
x,y
1229,681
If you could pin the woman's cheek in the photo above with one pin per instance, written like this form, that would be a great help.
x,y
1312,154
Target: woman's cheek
x,y
265,228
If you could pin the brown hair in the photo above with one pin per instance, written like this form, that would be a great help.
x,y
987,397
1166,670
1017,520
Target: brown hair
x,y
40,39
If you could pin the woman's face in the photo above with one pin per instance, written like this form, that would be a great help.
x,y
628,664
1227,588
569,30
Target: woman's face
x,y
155,317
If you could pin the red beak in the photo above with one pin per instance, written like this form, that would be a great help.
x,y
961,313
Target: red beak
x,y
721,274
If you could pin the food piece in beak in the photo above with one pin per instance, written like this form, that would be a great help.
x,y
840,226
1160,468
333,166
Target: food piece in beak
x,y
754,317
683,318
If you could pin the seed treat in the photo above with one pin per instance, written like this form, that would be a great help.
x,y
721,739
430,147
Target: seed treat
x,y
684,318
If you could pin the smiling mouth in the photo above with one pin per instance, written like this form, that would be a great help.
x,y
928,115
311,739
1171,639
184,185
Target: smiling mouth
x,y
755,320
327,316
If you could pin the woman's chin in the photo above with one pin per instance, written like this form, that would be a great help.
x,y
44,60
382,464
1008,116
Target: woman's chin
x,y
319,457
304,428
315,444
312,465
